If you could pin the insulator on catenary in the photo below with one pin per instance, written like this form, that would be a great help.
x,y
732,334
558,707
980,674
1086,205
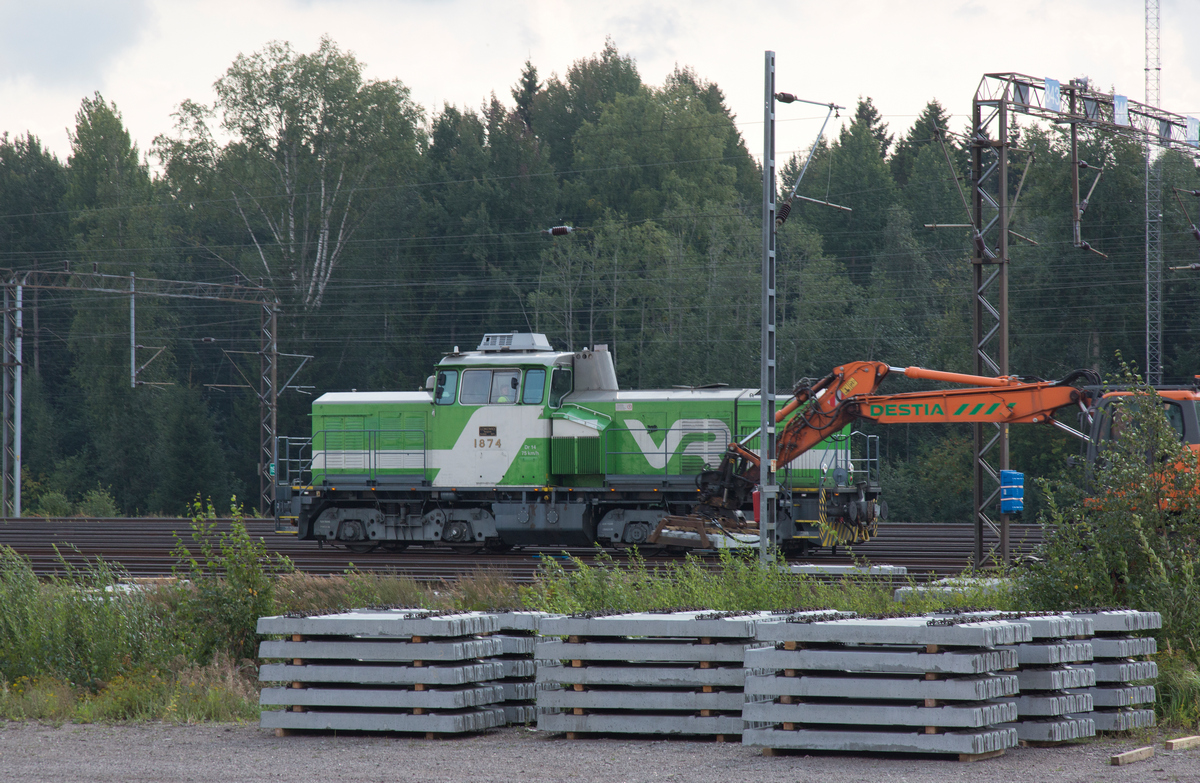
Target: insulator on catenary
x,y
785,97
785,209
559,231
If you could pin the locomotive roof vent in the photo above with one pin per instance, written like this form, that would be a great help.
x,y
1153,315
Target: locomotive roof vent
x,y
514,341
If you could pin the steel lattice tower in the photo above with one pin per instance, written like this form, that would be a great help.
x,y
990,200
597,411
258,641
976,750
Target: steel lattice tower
x,y
1153,206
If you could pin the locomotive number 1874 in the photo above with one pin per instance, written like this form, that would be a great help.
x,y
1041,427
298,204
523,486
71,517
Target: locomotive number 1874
x,y
487,443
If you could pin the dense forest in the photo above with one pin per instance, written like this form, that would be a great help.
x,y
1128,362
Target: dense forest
x,y
391,234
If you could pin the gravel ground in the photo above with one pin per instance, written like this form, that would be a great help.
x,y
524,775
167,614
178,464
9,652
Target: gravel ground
x,y
155,752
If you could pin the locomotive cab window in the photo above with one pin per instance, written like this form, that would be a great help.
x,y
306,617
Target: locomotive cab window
x,y
504,387
446,388
560,386
535,387
496,387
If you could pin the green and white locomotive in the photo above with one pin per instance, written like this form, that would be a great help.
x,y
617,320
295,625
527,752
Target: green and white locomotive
x,y
516,444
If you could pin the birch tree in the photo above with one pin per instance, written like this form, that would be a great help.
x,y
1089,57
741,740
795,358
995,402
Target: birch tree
x,y
312,147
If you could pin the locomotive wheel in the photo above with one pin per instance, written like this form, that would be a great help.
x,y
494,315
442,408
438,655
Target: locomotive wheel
x,y
394,546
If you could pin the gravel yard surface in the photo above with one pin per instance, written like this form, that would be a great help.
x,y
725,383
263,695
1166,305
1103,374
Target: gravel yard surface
x,y
155,752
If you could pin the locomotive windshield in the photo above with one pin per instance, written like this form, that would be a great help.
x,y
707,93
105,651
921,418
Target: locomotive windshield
x,y
560,386
535,387
483,387
504,386
447,387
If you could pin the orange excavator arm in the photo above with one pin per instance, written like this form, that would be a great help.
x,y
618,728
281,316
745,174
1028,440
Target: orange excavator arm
x,y
847,394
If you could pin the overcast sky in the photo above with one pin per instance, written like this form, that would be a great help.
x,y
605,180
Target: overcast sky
x,y
148,55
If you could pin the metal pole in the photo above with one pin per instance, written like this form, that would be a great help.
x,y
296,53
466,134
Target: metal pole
x,y
1076,216
268,405
5,436
768,490
17,378
274,404
1003,316
132,336
1154,251
978,140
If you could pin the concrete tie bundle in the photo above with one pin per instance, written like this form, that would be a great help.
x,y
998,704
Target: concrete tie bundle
x,y
1053,660
644,673
518,637
1117,698
911,684
402,670
967,683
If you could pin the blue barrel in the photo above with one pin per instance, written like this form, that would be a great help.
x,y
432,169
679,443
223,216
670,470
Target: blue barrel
x,y
1012,491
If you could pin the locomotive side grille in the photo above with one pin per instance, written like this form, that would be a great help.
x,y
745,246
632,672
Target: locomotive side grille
x,y
575,456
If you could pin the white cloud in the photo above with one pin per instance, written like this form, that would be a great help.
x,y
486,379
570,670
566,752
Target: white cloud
x,y
148,55
66,43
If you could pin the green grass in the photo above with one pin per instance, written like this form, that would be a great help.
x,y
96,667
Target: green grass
x,y
736,584
84,647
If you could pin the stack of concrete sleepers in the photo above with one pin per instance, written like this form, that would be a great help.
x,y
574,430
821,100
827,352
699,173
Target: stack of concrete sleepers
x,y
909,684
517,633
647,673
390,670
1058,658
1121,696
1051,667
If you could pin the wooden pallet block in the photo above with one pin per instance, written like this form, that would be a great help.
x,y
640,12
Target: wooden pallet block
x,y
968,757
1183,743
1130,756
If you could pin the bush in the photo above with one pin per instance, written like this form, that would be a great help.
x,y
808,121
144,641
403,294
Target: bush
x,y
53,505
230,585
1134,538
1129,535
98,503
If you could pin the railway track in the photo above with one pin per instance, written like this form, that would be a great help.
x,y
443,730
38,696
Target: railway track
x,y
142,547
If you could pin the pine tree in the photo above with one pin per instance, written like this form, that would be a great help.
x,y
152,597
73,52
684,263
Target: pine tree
x,y
923,133
866,113
525,92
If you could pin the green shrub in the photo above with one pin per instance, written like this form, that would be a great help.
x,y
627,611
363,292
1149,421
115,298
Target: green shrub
x,y
53,505
230,584
1131,538
98,503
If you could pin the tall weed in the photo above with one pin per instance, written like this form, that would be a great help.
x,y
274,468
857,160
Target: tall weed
x,y
83,627
734,584
230,584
